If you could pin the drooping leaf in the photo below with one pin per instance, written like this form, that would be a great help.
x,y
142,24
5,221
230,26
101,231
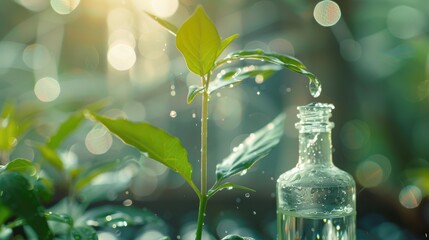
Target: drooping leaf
x,y
256,146
226,185
51,156
65,129
93,170
118,216
59,217
199,42
166,24
232,76
159,145
225,43
274,58
193,91
84,233
236,237
20,165
16,193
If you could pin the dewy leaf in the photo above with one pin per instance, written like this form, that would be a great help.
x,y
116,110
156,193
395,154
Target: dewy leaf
x,y
59,217
199,42
16,194
232,76
20,165
167,25
225,43
193,90
160,145
279,59
256,146
236,237
227,185
84,233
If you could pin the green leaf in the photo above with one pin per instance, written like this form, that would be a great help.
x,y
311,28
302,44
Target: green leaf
x,y
117,216
225,43
84,233
65,129
16,193
4,214
193,90
227,185
167,25
236,237
278,59
20,165
9,128
51,156
160,145
44,189
93,170
199,42
232,76
103,191
59,217
256,146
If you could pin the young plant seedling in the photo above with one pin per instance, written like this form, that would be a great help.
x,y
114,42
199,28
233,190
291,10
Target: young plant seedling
x,y
200,44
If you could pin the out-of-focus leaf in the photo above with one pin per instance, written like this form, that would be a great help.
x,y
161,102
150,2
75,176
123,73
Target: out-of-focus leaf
x,y
94,170
44,189
166,24
5,233
4,213
118,216
65,129
51,156
20,165
236,237
225,43
232,76
274,58
228,186
160,145
84,233
104,191
9,128
199,42
16,193
420,177
59,217
193,90
256,146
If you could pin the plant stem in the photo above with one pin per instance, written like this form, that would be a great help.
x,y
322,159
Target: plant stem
x,y
204,132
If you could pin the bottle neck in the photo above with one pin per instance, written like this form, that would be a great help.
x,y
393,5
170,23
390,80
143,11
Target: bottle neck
x,y
315,148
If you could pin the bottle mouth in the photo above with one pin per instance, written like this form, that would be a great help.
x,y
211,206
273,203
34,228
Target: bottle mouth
x,y
314,117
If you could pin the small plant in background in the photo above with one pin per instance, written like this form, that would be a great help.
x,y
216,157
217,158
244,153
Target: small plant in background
x,y
200,44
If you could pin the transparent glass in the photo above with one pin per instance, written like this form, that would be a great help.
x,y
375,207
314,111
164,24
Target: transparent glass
x,y
315,199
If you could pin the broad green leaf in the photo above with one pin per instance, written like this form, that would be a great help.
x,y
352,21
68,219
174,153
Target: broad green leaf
x,y
193,90
59,217
44,189
279,59
84,233
93,170
159,145
16,193
20,165
228,186
167,25
4,214
256,146
117,216
107,190
65,129
236,237
51,156
232,76
199,42
225,43
9,128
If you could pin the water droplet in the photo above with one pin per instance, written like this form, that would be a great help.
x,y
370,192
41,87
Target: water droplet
x,y
315,88
165,46
173,93
194,115
258,93
173,114
243,172
127,202
247,195
229,188
254,212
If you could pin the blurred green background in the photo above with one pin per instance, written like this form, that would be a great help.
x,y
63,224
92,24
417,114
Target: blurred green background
x,y
371,56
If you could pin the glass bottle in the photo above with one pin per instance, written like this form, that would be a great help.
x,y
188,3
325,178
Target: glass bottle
x,y
315,199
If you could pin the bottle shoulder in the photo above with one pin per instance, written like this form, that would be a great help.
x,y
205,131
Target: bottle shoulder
x,y
316,176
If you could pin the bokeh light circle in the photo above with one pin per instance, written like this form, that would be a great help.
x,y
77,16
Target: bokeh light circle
x,y
410,196
369,174
98,141
327,13
164,8
47,89
121,56
64,7
405,22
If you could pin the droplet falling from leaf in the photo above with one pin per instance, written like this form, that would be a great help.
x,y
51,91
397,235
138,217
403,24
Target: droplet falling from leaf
x,y
315,87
